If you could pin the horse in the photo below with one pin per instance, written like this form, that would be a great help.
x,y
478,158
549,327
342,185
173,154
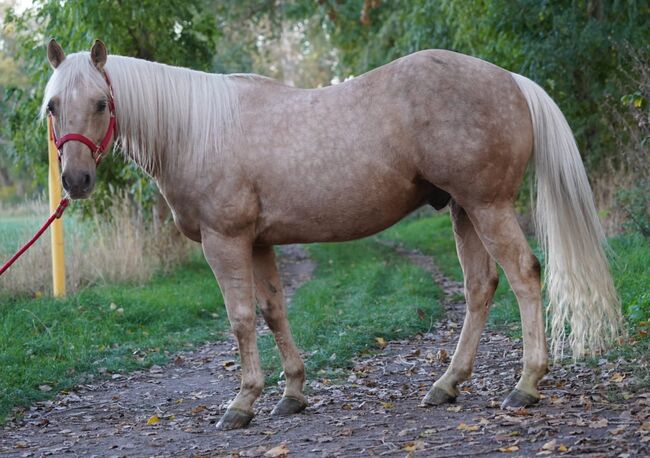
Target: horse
x,y
246,163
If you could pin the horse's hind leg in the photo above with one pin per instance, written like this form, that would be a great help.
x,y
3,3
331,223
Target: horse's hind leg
x,y
268,289
481,279
503,238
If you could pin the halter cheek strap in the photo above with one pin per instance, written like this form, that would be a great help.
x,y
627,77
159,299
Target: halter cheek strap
x,y
96,149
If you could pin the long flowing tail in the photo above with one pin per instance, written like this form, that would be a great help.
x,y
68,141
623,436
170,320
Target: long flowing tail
x,y
580,289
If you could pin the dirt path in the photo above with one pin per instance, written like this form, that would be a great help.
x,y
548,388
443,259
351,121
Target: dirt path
x,y
375,412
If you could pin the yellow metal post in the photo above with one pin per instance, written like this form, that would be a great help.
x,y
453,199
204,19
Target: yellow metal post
x,y
54,184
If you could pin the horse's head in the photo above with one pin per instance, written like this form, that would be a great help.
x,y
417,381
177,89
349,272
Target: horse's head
x,y
79,104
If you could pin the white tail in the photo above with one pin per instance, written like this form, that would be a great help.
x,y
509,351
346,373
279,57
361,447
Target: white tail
x,y
580,289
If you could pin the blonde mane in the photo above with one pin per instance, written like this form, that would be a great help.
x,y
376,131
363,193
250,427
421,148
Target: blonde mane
x,y
165,115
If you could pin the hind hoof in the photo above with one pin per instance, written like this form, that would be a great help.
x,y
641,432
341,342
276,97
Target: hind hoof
x,y
288,406
517,399
437,396
235,419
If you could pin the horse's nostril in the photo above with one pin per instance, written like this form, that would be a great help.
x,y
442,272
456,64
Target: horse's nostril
x,y
86,180
66,185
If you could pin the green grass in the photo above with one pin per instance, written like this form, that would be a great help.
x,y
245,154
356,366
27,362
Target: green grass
x,y
60,342
14,228
432,234
361,290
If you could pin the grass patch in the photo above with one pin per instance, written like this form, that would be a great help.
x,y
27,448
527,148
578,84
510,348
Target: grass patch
x,y
61,342
432,234
361,290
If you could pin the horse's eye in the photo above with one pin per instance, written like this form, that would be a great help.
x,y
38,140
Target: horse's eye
x,y
50,108
101,106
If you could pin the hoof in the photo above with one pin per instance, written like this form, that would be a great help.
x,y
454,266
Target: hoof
x,y
437,396
288,406
518,398
234,419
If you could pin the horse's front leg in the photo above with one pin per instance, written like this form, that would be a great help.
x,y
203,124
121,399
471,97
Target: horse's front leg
x,y
231,262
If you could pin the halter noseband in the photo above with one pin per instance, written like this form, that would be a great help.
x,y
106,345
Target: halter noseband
x,y
96,149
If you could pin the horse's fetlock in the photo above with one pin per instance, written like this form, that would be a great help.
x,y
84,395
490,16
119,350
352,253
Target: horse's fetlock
x,y
254,386
295,371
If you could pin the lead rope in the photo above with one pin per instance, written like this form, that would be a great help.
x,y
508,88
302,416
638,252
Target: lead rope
x,y
56,215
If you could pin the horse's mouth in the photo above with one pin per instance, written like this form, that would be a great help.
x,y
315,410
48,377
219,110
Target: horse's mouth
x,y
78,194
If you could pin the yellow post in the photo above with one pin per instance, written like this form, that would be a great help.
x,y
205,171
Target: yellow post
x,y
54,184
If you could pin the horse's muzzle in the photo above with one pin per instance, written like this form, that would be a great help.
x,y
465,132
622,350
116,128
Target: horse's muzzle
x,y
78,184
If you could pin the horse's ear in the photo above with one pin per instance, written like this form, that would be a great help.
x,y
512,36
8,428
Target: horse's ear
x,y
98,54
55,53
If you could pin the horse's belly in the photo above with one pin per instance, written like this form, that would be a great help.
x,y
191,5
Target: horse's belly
x,y
346,216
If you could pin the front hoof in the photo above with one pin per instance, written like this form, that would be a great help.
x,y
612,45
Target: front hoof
x,y
518,398
437,396
288,406
235,419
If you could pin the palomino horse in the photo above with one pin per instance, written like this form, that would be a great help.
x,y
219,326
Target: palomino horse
x,y
246,163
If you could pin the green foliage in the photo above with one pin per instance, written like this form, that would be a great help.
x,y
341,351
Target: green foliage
x,y
631,272
635,202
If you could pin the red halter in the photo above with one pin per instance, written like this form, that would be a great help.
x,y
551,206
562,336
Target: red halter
x,y
96,149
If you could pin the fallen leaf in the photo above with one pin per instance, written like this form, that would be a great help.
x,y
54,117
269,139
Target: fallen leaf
x,y
602,423
21,444
442,355
510,449
464,427
229,365
278,451
413,446
617,377
387,405
154,419
45,388
113,306
454,409
550,445
198,409
381,342
617,431
562,448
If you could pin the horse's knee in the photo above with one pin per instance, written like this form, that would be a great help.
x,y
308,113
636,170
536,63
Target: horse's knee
x,y
479,291
242,323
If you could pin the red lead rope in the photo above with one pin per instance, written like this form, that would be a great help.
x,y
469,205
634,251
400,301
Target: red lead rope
x,y
56,215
